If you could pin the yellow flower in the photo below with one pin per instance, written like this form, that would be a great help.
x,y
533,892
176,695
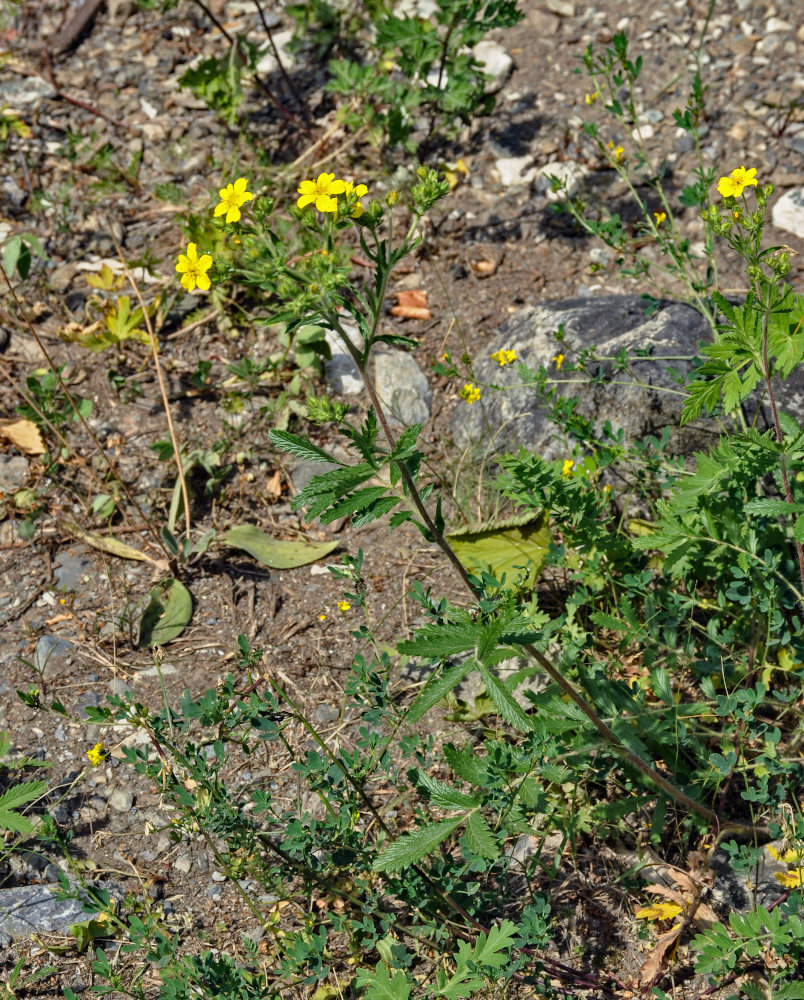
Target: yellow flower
x,y
355,191
659,911
193,268
567,467
232,197
503,358
659,217
470,393
95,755
559,361
792,879
322,618
344,606
320,192
790,857
617,153
739,179
591,98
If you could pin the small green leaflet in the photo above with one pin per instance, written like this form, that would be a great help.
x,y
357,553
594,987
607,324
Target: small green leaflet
x,y
300,447
435,690
15,797
380,986
412,847
505,702
441,794
440,640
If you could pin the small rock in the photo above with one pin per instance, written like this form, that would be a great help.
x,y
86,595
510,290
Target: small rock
x,y
326,713
777,24
13,469
218,877
52,654
121,799
515,170
183,864
569,172
27,93
268,62
561,7
788,213
402,387
73,569
496,62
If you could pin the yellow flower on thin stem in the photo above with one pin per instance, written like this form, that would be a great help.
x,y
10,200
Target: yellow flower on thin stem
x,y
321,192
503,357
591,98
470,393
344,606
96,754
617,153
559,361
659,217
193,268
736,182
233,197
567,467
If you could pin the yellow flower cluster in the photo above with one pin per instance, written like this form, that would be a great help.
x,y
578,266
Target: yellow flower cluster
x,y
567,467
344,606
470,393
617,153
794,878
559,361
192,268
736,182
503,357
323,191
659,217
96,754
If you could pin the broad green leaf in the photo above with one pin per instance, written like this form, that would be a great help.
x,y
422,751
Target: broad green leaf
x,y
272,551
480,838
441,794
441,640
512,546
412,847
166,615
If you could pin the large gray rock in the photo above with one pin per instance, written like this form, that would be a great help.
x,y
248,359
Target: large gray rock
x,y
402,387
631,400
788,213
34,909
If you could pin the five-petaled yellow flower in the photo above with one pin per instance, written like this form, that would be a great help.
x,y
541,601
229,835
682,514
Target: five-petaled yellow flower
x,y
567,467
470,393
659,911
503,358
232,197
734,185
559,361
344,606
320,193
659,217
95,755
356,191
193,268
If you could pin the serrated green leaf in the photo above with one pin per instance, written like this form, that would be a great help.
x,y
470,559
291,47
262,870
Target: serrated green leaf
x,y
441,794
13,798
790,991
505,703
480,838
412,847
300,447
441,640
273,552
437,689
166,615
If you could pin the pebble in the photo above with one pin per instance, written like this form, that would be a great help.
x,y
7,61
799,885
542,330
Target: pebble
x,y
340,369
563,8
73,569
13,469
788,213
515,170
121,800
402,387
52,655
496,62
183,864
568,171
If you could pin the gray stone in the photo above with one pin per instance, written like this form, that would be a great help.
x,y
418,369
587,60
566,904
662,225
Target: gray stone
x,y
788,212
268,63
402,387
561,7
183,864
26,94
52,654
73,569
303,471
496,62
121,799
326,713
506,420
33,909
341,371
12,472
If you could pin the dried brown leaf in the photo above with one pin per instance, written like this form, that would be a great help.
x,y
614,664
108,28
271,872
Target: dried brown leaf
x,y
655,960
23,434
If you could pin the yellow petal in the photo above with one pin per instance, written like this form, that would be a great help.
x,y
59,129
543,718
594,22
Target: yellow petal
x,y
233,215
182,264
305,199
188,281
220,209
203,282
307,187
192,252
204,262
